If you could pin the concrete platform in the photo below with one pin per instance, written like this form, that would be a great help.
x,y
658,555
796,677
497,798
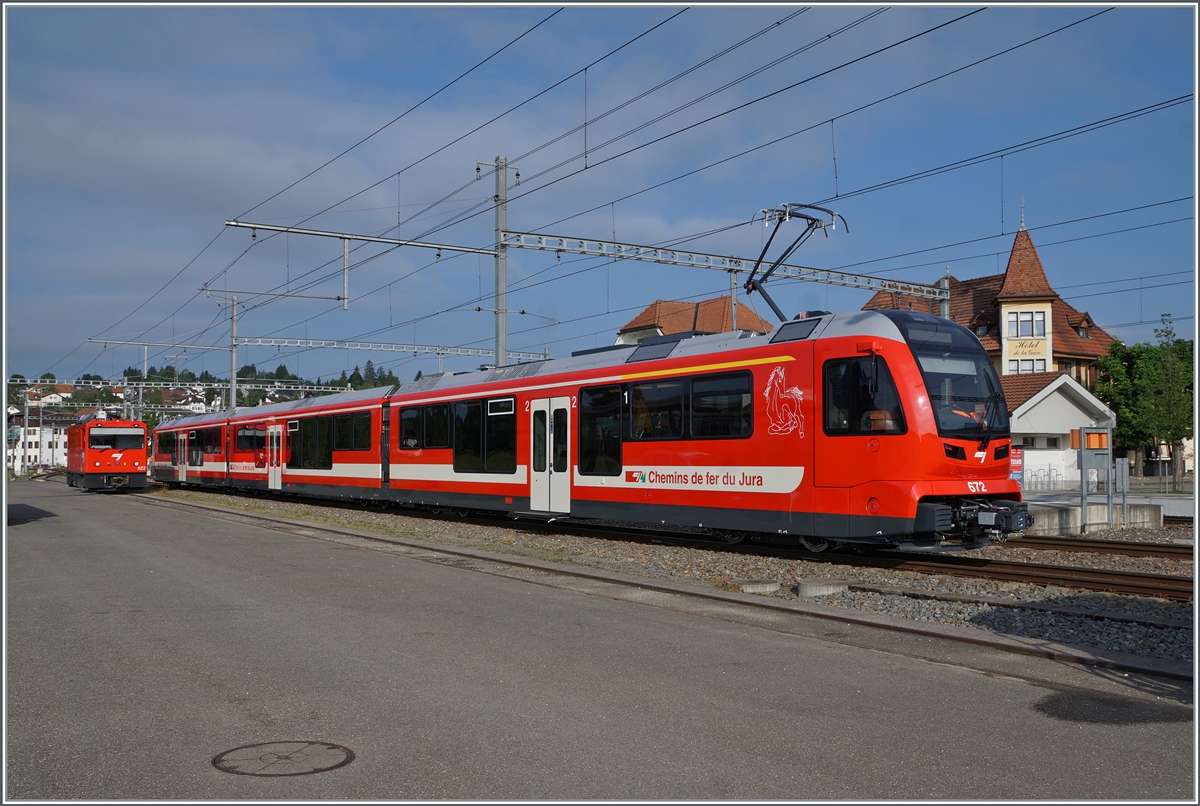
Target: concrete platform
x,y
1052,518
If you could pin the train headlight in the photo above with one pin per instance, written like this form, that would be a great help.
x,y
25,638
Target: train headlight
x,y
872,506
97,464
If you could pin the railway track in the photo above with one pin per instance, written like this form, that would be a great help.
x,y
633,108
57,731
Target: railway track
x,y
1123,547
1160,586
1128,583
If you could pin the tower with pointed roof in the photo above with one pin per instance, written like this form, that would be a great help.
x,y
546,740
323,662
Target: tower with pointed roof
x,y
1021,321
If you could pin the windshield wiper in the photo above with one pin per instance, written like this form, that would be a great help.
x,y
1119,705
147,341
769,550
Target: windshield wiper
x,y
985,425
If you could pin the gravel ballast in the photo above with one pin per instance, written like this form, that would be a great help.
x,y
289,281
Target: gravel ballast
x,y
1087,619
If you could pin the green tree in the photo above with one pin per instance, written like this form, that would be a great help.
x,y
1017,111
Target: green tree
x,y
1121,385
1168,403
369,374
1149,388
356,378
248,371
15,384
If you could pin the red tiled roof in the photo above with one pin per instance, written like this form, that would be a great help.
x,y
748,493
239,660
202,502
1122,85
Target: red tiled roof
x,y
979,299
708,316
1024,276
1018,389
1068,342
970,300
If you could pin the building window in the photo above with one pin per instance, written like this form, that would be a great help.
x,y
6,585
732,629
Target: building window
x,y
1039,365
1026,366
1028,442
1052,443
1014,367
981,330
1027,325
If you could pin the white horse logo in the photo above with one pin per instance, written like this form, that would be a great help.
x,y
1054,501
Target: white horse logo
x,y
783,406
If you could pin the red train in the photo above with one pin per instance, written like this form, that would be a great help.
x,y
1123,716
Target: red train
x,y
886,428
107,453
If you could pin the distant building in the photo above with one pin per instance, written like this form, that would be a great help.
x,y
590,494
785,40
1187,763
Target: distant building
x,y
666,317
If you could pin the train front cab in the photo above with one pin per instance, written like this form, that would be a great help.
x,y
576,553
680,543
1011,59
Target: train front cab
x,y
107,454
915,429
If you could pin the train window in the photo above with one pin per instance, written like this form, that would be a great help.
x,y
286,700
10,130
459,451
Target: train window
x,y
362,430
352,432
214,440
437,426
121,439
795,330
252,437
560,441
600,431
312,447
468,437
539,442
166,447
500,437
861,398
343,433
723,406
410,428
656,410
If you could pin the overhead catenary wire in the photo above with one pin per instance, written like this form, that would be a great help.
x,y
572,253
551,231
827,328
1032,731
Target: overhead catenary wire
x,y
863,191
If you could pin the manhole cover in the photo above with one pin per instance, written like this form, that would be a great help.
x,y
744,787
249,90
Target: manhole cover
x,y
274,759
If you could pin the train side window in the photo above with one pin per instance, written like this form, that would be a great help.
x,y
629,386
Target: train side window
x,y
500,436
468,437
312,447
861,398
166,447
656,410
539,441
343,433
723,406
410,428
600,431
437,426
362,430
213,441
560,441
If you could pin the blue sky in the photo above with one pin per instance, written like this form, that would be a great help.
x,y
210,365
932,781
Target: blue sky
x,y
133,133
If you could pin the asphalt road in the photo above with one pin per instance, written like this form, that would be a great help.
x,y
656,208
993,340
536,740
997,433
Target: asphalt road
x,y
142,642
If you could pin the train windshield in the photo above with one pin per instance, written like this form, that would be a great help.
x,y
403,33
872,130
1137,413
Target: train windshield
x,y
121,439
964,389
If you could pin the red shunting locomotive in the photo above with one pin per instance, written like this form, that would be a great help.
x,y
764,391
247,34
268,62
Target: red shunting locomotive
x,y
876,428
107,453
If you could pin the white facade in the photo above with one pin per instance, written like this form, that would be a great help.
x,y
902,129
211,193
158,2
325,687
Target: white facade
x,y
45,445
1043,424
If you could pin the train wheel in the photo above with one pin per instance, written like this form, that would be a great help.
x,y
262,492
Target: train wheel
x,y
732,538
814,543
461,512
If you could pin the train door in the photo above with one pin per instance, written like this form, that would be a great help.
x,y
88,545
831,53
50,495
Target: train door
x,y
550,455
861,419
274,457
181,455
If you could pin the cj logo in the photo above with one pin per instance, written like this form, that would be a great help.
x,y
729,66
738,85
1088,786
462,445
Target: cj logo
x,y
635,476
783,406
